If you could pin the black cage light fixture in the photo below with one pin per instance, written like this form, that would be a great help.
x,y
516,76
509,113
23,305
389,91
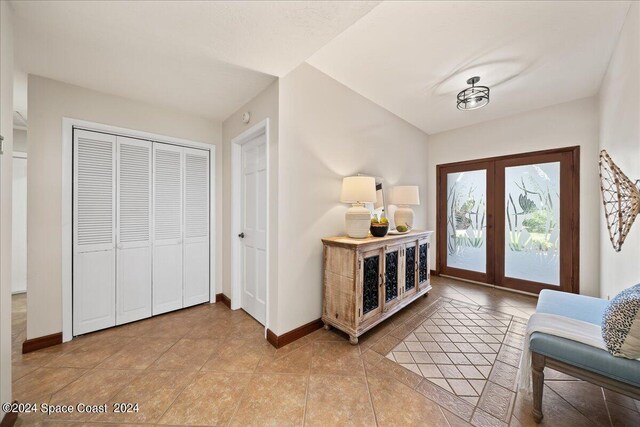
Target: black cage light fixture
x,y
473,97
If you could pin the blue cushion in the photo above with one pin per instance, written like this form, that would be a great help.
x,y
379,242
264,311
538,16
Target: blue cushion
x,y
579,307
586,309
584,356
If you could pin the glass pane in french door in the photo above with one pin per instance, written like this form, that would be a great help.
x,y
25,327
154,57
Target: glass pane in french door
x,y
532,222
466,220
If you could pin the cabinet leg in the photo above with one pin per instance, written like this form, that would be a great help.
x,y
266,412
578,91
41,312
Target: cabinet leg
x,y
327,327
353,340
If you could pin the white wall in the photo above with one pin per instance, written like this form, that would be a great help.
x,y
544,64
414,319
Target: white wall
x,y
620,136
50,101
6,180
327,131
19,224
562,125
262,106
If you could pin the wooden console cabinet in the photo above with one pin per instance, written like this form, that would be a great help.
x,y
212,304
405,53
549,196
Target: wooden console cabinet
x,y
368,280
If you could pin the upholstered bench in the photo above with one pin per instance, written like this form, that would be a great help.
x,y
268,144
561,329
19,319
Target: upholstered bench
x,y
579,360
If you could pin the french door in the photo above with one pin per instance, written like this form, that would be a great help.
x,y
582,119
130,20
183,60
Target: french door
x,y
511,221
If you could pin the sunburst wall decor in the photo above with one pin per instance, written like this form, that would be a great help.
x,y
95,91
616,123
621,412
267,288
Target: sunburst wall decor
x,y
621,200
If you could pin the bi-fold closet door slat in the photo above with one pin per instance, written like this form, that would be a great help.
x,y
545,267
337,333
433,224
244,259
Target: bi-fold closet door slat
x,y
181,229
94,231
134,249
167,258
141,229
196,226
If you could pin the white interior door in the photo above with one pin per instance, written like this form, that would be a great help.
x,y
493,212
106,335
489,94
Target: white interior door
x,y
133,284
196,226
94,234
254,228
19,225
168,209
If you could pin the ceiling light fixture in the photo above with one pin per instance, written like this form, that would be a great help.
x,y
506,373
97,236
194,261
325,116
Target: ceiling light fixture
x,y
473,97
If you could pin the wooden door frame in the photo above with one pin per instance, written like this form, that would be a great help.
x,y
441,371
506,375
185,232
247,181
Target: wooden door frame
x,y
441,230
570,185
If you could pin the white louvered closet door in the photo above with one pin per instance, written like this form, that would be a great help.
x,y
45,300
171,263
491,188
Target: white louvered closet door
x,y
168,208
133,284
94,231
196,226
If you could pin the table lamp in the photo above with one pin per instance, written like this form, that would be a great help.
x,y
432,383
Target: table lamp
x,y
358,190
404,196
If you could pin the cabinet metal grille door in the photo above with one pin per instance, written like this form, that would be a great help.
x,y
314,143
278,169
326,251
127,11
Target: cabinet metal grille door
x,y
391,276
423,265
168,207
196,226
133,285
370,289
94,232
410,268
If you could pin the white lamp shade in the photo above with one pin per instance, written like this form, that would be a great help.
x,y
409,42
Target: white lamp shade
x,y
358,189
405,195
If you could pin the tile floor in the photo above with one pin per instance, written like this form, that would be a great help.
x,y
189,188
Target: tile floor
x,y
208,365
460,347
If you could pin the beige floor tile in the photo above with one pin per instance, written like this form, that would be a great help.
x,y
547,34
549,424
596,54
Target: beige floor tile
x,y
414,409
346,396
454,420
39,385
244,380
90,354
445,399
93,388
139,353
388,342
620,399
272,399
295,362
482,419
18,370
462,387
497,401
387,368
239,356
336,358
188,354
153,391
504,374
622,416
211,399
556,411
586,398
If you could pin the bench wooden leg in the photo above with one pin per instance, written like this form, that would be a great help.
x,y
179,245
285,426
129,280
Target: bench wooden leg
x,y
537,379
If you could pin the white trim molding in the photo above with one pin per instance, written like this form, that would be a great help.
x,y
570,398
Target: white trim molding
x,y
68,125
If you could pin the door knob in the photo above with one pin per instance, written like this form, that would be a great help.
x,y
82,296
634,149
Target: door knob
x,y
241,235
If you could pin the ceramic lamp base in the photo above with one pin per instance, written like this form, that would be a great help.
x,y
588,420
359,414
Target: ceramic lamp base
x,y
358,221
402,216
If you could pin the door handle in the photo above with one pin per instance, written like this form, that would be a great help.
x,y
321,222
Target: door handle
x,y
241,235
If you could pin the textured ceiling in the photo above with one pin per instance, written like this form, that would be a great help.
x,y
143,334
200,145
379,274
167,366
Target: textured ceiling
x,y
413,57
207,58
